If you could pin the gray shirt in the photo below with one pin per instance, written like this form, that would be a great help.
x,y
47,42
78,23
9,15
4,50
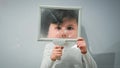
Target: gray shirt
x,y
71,58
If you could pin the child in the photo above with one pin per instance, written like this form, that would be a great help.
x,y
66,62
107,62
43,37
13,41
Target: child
x,y
63,24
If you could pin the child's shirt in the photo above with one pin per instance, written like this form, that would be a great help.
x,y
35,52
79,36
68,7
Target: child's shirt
x,y
71,58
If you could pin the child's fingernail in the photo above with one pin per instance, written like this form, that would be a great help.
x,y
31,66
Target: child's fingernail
x,y
62,47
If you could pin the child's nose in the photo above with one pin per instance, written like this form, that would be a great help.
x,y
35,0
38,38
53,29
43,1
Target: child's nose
x,y
63,33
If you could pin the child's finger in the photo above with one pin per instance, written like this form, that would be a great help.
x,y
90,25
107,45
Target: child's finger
x,y
80,39
58,50
58,55
62,47
57,47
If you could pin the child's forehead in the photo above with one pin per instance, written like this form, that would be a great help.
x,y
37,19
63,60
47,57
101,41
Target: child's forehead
x,y
67,22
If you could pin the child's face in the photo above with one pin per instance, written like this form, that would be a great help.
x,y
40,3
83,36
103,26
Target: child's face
x,y
68,29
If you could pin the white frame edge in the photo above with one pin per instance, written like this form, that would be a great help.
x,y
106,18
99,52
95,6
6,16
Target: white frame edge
x,y
60,7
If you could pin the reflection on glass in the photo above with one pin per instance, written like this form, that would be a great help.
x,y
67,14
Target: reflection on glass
x,y
59,23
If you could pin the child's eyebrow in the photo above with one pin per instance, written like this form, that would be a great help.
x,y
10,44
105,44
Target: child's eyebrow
x,y
70,25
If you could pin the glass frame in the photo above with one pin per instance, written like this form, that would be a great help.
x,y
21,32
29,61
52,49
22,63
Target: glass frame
x,y
79,9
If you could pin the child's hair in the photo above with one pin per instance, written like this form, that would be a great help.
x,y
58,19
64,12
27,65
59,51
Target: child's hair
x,y
56,16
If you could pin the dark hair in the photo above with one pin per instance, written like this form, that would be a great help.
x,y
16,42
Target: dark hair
x,y
55,16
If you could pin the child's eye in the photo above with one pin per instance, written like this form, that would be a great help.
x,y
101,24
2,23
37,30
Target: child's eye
x,y
69,28
58,27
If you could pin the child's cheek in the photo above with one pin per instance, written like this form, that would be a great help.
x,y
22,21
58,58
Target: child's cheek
x,y
57,34
71,34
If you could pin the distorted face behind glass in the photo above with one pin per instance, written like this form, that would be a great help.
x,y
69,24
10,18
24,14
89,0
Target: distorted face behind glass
x,y
68,29
62,23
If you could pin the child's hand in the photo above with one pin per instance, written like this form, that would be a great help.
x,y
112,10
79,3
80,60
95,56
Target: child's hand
x,y
81,44
56,53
